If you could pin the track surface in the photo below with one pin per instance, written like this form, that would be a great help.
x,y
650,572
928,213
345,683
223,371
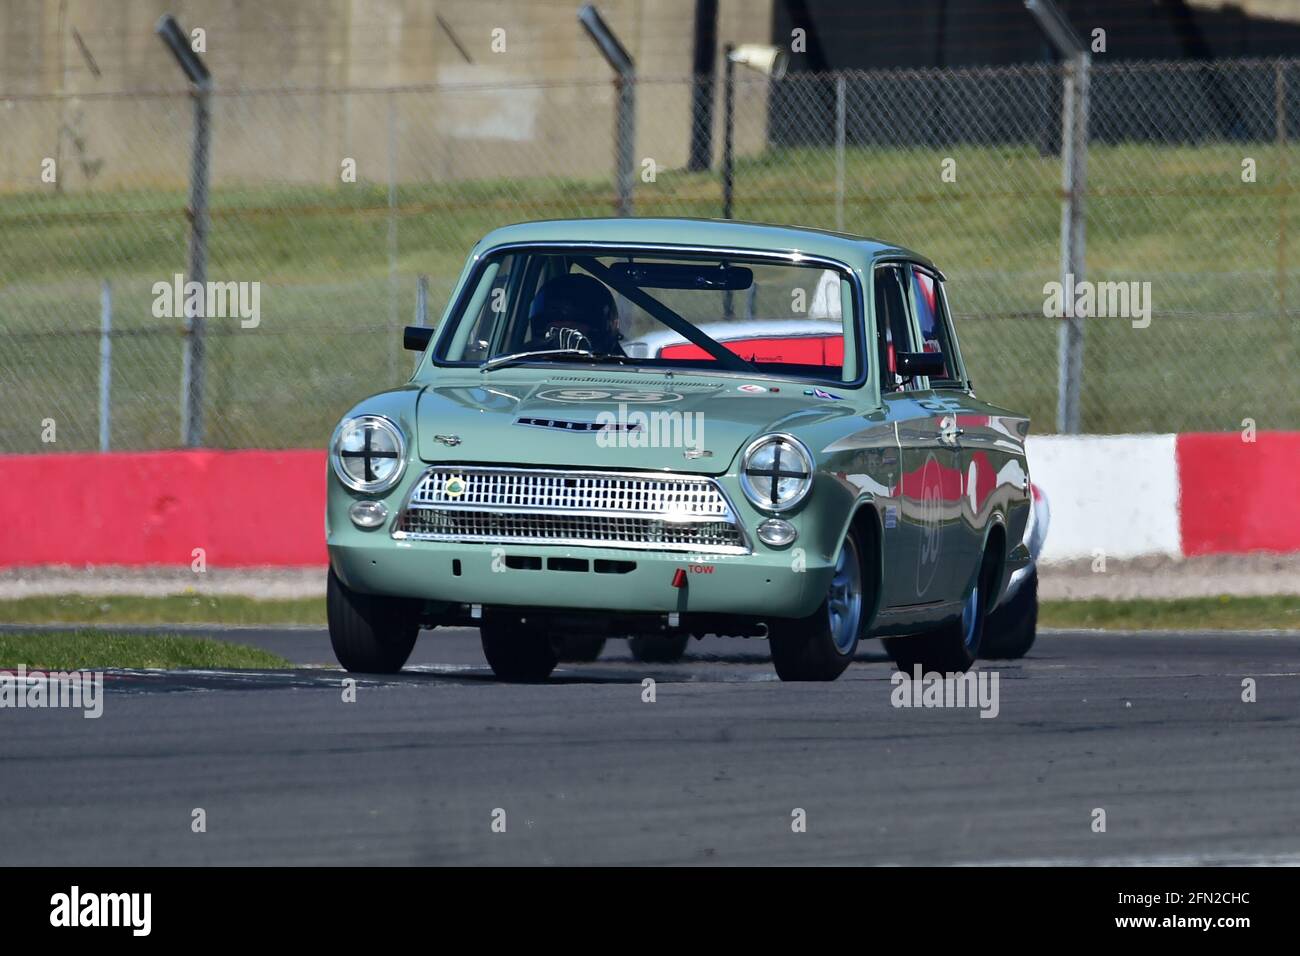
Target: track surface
x,y
1150,728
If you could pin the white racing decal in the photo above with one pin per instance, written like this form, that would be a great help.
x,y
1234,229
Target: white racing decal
x,y
573,395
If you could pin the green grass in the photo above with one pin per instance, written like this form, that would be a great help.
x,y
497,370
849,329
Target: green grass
x,y
1213,248
89,650
171,609
1202,613
1209,613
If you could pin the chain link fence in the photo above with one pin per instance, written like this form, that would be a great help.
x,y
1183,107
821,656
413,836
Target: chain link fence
x,y
337,202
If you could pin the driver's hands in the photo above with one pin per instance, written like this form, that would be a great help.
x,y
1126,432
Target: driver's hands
x,y
567,337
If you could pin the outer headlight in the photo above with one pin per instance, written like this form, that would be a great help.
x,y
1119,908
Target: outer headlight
x,y
776,472
368,453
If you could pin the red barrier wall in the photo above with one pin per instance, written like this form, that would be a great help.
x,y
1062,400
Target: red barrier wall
x,y
242,507
248,508
1239,496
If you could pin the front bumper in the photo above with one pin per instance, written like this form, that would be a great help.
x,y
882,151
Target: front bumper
x,y
771,584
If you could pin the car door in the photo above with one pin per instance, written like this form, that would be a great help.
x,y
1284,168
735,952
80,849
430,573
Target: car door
x,y
991,441
922,563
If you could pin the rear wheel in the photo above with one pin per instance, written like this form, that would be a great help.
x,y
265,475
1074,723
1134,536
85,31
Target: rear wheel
x,y
655,649
517,649
820,647
1011,628
370,633
955,646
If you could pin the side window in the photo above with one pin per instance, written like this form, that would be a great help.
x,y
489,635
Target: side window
x,y
893,331
935,336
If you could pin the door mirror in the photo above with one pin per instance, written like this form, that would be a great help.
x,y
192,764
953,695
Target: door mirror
x,y
912,364
416,338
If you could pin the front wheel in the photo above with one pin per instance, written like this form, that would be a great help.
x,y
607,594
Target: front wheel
x,y
370,633
517,649
820,647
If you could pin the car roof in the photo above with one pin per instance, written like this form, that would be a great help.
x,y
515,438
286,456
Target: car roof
x,y
722,233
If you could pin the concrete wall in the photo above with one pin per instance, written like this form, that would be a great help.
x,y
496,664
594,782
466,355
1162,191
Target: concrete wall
x,y
73,75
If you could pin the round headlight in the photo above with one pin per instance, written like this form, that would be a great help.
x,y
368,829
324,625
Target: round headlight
x,y
776,472
368,453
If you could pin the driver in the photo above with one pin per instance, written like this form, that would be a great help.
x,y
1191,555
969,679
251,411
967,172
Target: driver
x,y
575,311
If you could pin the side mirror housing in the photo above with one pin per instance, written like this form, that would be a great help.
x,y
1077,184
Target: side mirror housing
x,y
416,337
912,364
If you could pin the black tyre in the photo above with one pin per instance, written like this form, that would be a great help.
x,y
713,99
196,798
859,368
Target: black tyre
x,y
1011,628
370,633
819,647
659,650
516,648
954,647
580,649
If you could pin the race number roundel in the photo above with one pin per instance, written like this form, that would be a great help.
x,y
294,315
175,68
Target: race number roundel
x,y
633,397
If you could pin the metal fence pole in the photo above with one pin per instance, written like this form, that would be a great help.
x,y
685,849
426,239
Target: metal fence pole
x,y
192,370
393,344
1074,178
1280,134
105,363
625,85
421,307
841,118
728,130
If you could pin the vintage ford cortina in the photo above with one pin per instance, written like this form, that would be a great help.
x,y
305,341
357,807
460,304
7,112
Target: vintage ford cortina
x,y
654,428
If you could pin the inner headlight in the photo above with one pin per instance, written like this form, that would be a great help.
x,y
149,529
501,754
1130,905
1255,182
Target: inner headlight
x,y
368,453
776,472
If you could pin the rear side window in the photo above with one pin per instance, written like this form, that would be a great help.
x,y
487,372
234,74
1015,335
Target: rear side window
x,y
935,336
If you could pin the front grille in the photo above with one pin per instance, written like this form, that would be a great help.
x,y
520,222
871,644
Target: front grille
x,y
593,509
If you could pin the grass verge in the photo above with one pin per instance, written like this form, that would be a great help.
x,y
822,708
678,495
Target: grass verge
x,y
1200,614
171,609
90,650
1203,613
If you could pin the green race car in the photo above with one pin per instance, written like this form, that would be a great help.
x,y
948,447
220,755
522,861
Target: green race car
x,y
658,428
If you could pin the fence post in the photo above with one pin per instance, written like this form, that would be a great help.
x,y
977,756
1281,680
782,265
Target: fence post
x,y
422,300
192,369
728,132
1074,178
394,346
625,84
841,119
105,363
421,306
1279,107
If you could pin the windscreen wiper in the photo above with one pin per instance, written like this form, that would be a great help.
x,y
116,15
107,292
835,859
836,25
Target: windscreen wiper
x,y
512,358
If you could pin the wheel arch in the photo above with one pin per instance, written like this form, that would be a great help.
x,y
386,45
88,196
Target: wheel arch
x,y
996,534
865,519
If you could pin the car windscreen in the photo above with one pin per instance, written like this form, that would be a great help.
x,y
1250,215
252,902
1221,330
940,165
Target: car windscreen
x,y
774,317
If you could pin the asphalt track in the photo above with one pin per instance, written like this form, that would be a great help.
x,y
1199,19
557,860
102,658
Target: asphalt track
x,y
1152,729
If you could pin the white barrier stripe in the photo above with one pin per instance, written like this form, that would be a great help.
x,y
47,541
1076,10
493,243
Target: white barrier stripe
x,y
1115,495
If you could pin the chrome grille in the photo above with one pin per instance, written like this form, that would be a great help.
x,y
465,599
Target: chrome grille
x,y
595,509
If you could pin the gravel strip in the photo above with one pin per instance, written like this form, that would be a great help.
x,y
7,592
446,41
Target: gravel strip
x,y
1252,574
